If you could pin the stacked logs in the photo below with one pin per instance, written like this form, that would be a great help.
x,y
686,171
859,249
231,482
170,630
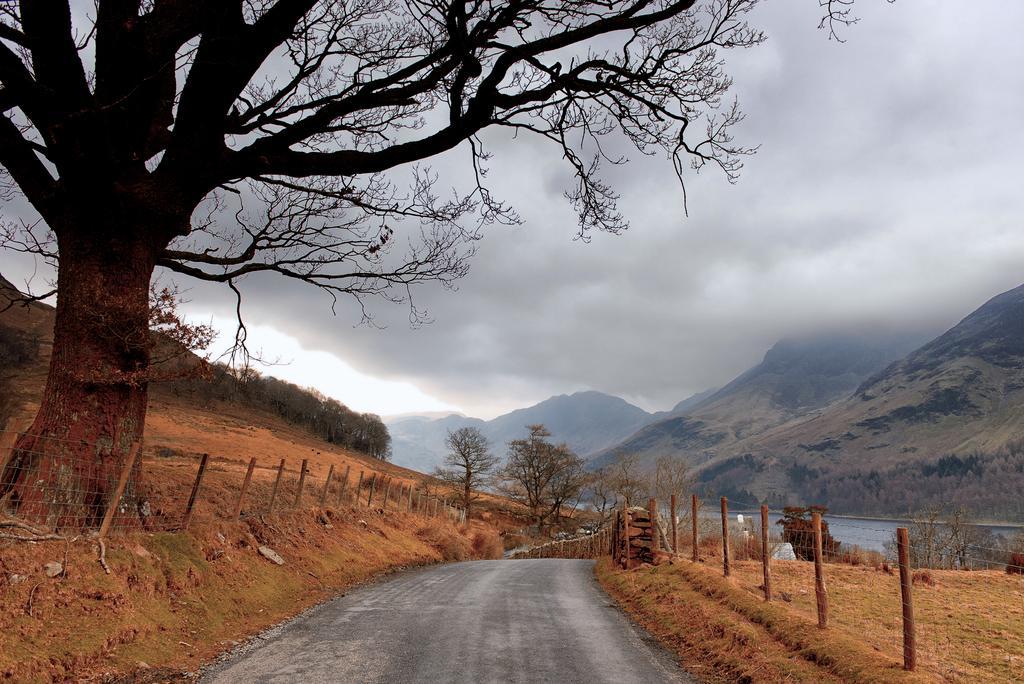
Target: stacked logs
x,y
636,541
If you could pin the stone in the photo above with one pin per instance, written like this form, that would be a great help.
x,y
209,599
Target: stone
x,y
271,555
784,551
53,569
141,551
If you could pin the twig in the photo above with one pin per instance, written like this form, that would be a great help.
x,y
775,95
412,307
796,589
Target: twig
x,y
21,526
103,557
47,537
28,606
64,566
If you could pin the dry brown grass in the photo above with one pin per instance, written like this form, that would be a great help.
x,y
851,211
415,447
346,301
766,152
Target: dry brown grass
x,y
487,544
723,634
175,600
970,625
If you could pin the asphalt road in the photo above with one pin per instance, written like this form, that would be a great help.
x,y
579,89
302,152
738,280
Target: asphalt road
x,y
542,620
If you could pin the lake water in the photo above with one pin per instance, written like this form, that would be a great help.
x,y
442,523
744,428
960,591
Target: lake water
x,y
866,533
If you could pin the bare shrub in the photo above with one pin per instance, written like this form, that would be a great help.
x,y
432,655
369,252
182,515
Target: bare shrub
x,y
1016,564
924,577
487,545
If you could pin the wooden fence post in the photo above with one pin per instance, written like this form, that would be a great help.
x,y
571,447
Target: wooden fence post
x,y
906,583
625,528
820,592
675,534
765,555
615,537
373,485
245,487
387,493
327,486
277,483
122,482
344,484
693,522
302,483
359,487
725,536
195,492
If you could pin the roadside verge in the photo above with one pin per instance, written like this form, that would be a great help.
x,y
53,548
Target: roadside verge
x,y
724,634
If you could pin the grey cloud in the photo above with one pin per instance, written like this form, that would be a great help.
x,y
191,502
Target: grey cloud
x,y
885,195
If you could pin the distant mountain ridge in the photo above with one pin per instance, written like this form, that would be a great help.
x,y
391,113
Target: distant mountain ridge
x,y
586,421
942,425
795,377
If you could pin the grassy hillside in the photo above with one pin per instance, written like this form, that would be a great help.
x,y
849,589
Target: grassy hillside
x,y
175,599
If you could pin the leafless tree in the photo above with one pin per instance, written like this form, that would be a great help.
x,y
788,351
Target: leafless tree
x,y
469,465
601,492
540,475
630,481
224,139
671,476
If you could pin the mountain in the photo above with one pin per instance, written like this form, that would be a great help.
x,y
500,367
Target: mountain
x,y
586,421
943,425
796,377
417,442
687,404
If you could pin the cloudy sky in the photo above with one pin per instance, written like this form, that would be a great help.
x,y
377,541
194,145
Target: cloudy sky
x,y
885,195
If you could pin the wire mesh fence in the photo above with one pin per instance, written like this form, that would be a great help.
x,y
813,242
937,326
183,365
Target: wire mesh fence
x,y
49,486
958,614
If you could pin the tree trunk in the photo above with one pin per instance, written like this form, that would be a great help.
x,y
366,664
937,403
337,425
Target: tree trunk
x,y
64,469
467,500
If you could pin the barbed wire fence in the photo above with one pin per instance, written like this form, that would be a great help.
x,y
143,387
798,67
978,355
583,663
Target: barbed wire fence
x,y
940,618
52,488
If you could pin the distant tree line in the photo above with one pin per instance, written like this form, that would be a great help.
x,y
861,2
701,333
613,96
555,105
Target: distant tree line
x,y
323,416
988,485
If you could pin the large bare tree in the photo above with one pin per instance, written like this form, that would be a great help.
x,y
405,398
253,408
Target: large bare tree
x,y
468,465
540,475
135,127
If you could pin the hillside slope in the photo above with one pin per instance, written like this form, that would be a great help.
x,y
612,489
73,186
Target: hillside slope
x,y
945,423
795,378
217,414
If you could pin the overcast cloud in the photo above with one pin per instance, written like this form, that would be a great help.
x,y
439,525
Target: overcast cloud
x,y
886,194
